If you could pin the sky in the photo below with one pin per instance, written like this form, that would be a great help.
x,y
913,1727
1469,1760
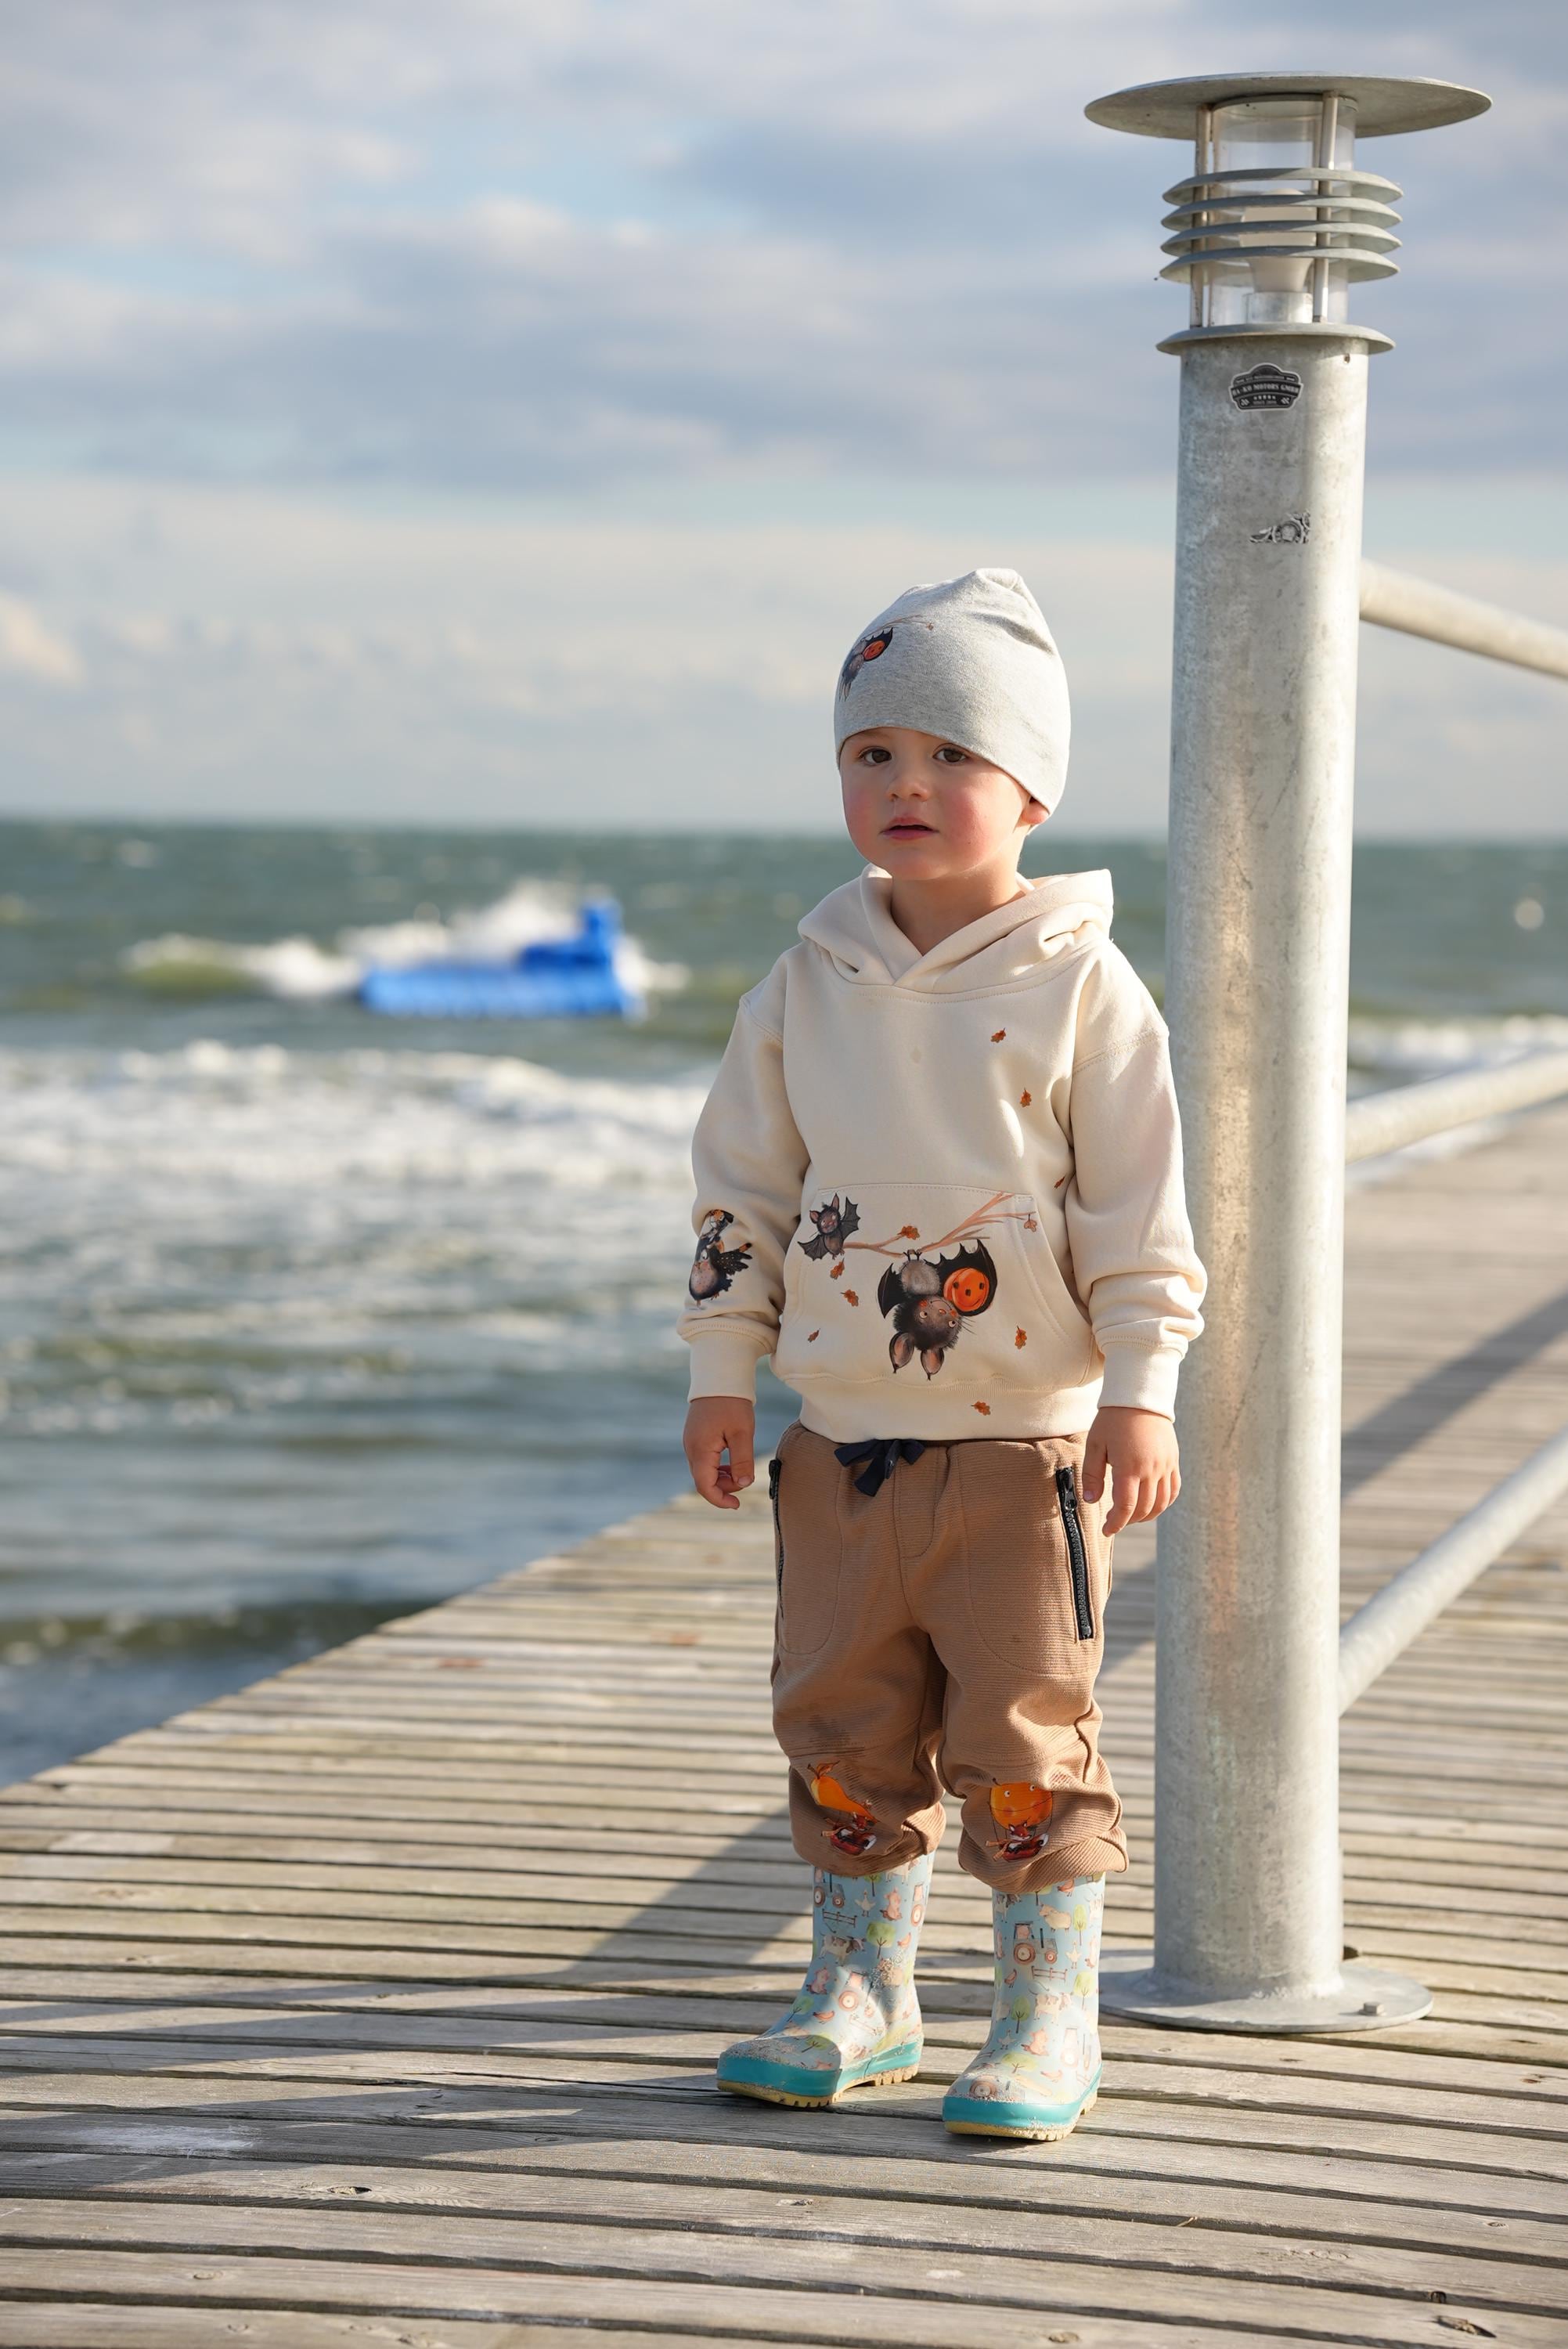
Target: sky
x,y
508,413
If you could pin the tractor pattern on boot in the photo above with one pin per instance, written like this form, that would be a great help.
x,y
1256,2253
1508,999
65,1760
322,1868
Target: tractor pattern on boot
x,y
1044,2044
859,1987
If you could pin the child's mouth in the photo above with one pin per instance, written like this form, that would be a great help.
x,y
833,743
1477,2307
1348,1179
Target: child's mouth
x,y
908,828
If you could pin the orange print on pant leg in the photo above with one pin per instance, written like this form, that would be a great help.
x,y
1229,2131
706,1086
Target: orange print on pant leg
x,y
1022,1813
857,1828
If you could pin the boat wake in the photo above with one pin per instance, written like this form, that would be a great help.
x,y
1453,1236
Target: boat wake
x,y
302,970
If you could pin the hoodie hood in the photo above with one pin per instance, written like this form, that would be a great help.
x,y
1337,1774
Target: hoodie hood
x,y
854,928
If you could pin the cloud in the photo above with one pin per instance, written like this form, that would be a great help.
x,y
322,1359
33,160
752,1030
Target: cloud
x,y
512,410
251,653
29,649
551,248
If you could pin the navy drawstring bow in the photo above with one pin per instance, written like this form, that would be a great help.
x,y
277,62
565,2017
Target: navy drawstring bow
x,y
881,1455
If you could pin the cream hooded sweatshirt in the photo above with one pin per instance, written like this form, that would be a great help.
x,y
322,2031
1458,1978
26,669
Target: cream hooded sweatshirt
x,y
943,1191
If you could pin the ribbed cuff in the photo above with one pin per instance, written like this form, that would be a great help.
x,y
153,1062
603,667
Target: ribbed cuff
x,y
1141,1378
724,1362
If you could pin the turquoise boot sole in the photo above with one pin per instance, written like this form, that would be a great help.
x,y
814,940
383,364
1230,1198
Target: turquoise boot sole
x,y
789,2083
985,2116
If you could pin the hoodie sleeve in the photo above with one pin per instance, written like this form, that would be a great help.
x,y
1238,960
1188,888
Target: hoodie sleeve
x,y
1133,1258
750,1167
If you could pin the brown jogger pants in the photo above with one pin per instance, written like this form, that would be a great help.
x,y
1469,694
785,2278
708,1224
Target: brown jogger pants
x,y
944,1632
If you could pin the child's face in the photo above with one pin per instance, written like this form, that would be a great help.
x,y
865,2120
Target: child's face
x,y
926,809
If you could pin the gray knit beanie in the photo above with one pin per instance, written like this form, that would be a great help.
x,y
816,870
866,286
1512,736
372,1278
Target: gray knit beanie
x,y
973,660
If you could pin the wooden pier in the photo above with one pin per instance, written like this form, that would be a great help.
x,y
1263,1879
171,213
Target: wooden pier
x,y
378,2004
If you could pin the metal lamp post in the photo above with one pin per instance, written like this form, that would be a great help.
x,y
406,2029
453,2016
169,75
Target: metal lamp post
x,y
1275,224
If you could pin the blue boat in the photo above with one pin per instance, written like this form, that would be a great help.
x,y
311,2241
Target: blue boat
x,y
553,978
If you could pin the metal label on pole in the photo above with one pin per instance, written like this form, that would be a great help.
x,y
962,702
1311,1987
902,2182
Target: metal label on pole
x,y
1294,529
1265,386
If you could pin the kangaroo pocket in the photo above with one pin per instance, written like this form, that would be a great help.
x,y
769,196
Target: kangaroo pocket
x,y
949,1283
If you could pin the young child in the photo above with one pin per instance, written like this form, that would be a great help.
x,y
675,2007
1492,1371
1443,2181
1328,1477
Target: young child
x,y
939,1180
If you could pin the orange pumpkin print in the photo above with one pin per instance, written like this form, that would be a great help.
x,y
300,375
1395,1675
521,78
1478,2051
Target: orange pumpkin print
x,y
1022,1813
969,1289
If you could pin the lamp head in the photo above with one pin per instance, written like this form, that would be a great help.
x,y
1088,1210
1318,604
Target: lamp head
x,y
1276,222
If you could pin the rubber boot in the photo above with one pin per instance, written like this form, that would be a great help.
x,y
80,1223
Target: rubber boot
x,y
1038,2071
856,2023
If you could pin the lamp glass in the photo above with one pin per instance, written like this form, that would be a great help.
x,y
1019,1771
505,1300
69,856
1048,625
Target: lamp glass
x,y
1285,136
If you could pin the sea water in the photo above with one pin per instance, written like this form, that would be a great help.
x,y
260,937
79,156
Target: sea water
x,y
308,1318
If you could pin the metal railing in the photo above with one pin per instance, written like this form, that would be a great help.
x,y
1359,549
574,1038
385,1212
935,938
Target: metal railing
x,y
1379,1122
1253,1669
1380,1631
1391,599
1384,1628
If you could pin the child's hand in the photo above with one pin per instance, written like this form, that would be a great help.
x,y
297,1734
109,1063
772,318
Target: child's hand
x,y
1138,1447
715,1424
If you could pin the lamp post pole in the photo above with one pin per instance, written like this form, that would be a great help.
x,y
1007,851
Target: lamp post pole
x,y
1274,224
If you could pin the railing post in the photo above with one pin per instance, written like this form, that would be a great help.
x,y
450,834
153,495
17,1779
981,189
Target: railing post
x,y
1248,1931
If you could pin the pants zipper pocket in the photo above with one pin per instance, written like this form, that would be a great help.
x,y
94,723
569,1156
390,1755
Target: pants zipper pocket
x,y
1078,1564
775,1469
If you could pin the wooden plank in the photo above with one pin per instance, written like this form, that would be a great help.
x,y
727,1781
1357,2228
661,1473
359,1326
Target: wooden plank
x,y
121,2325
210,2035
731,2186
347,2127
1294,2191
260,2288
1435,1867
489,2089
366,2258
400,2213
243,1886
1467,2054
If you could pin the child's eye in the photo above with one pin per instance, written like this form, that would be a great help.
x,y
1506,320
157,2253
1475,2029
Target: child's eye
x,y
875,754
954,756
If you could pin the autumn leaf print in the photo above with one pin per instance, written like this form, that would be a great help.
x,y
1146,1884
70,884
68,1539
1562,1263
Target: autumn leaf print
x,y
837,1271
812,1336
997,1038
984,1409
908,1232
850,1297
1020,1339
1025,1098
